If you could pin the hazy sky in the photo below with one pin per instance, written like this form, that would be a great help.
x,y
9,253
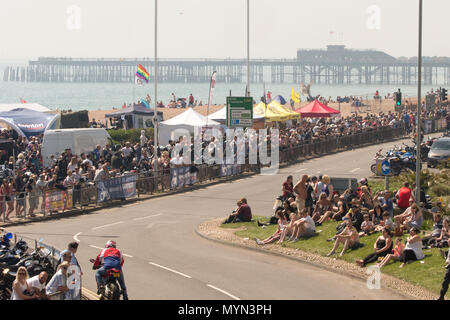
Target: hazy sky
x,y
217,28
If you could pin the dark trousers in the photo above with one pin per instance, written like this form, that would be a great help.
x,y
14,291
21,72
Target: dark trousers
x,y
374,257
408,255
445,283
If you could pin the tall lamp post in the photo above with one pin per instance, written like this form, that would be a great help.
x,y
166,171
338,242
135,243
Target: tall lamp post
x,y
155,116
419,108
248,48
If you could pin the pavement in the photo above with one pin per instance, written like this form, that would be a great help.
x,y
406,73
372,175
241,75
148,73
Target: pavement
x,y
166,259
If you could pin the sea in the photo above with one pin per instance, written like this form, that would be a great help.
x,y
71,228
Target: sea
x,y
106,96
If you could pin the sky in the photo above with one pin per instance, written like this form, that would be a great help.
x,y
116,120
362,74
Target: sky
x,y
217,28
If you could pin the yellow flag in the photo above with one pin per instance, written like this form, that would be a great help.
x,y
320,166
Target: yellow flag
x,y
295,96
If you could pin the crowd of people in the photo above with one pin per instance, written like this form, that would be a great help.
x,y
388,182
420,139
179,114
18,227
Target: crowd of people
x,y
313,201
41,287
23,174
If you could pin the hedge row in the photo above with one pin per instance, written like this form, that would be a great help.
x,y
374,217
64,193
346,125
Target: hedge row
x,y
131,135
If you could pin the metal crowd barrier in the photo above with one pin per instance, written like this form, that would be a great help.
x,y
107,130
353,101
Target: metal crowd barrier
x,y
89,195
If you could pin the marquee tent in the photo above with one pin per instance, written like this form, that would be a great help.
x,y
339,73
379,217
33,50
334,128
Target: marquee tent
x,y
28,122
270,114
183,125
28,106
276,107
316,109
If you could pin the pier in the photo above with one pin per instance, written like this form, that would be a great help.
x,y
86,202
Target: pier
x,y
335,65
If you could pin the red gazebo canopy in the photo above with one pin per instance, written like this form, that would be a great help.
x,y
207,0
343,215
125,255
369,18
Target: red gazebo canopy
x,y
316,110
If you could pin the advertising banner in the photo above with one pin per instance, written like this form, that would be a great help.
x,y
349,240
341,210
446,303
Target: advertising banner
x,y
55,200
117,188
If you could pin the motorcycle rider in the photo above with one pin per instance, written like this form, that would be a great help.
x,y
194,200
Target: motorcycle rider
x,y
111,258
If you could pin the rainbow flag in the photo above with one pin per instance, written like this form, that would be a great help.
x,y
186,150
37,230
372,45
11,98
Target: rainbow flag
x,y
141,73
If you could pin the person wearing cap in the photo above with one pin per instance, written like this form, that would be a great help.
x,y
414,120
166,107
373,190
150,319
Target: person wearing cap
x,y
58,283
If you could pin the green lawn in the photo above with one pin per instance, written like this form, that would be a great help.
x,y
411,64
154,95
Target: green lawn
x,y
428,274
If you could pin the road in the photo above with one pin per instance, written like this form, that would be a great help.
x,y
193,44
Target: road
x,y
165,259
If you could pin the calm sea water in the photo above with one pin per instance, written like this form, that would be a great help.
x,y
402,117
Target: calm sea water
x,y
93,96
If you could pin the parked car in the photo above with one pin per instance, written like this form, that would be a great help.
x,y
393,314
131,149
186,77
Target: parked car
x,y
440,151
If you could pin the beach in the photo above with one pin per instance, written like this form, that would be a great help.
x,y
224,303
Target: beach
x,y
346,109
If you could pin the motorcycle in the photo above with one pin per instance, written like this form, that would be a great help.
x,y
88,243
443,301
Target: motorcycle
x,y
111,289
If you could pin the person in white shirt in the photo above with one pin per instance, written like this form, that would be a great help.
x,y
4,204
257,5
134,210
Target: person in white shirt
x,y
127,150
303,227
37,284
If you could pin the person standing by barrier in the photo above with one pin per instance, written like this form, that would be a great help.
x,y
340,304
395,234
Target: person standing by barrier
x,y
58,283
72,248
33,196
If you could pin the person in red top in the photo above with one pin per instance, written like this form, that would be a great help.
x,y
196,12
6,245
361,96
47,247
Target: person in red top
x,y
288,188
242,214
403,196
109,258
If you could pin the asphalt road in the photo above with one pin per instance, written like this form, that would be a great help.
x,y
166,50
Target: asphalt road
x,y
165,259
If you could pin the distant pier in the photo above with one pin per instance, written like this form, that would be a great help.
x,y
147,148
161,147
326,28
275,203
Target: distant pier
x,y
335,66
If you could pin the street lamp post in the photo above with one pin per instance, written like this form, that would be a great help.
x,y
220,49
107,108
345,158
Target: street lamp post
x,y
155,123
419,108
248,48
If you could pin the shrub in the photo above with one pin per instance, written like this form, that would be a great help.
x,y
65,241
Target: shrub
x,y
131,135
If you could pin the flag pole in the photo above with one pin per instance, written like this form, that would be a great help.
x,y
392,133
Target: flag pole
x,y
134,88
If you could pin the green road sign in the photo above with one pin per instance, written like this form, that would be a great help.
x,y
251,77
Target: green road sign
x,y
239,112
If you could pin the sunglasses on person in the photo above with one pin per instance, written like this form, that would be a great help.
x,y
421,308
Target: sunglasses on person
x,y
22,274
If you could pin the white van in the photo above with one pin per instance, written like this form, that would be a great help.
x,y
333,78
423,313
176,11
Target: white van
x,y
78,140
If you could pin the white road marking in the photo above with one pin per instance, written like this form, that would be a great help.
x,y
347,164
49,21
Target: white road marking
x,y
142,218
75,237
171,270
301,170
108,225
95,247
223,291
354,170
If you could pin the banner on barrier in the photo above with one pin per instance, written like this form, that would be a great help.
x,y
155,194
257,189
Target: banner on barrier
x,y
117,188
55,200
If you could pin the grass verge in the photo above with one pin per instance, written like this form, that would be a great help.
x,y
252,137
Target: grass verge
x,y
428,274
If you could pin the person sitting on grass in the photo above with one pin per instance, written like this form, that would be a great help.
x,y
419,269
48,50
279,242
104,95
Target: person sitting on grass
x,y
303,227
386,203
429,240
367,227
386,222
323,206
336,211
395,256
412,217
282,223
289,229
242,214
381,248
413,249
401,218
349,238
443,240
356,216
376,214
366,199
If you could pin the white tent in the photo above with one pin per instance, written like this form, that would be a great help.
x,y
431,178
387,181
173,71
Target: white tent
x,y
221,115
183,125
31,106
